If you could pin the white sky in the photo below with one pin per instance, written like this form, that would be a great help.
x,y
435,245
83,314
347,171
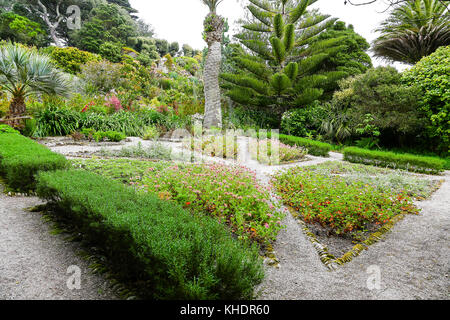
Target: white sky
x,y
182,20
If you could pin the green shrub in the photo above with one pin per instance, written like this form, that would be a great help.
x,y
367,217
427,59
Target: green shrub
x,y
56,122
315,148
71,59
169,253
431,76
303,122
405,161
21,158
150,133
7,129
110,135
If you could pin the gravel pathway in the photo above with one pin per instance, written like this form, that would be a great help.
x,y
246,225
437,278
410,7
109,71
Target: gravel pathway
x,y
34,263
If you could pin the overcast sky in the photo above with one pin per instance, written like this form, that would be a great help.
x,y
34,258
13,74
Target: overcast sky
x,y
182,20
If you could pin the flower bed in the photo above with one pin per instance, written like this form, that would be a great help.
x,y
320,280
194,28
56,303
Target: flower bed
x,y
262,151
339,206
214,146
229,193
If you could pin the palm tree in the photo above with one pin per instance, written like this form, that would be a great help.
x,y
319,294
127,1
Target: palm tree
x,y
213,36
414,29
25,72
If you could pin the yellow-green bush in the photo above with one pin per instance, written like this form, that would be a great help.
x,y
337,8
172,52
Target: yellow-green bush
x,y
71,59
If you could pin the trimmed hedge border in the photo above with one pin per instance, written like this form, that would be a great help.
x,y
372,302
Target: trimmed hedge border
x,y
21,158
164,250
315,148
410,162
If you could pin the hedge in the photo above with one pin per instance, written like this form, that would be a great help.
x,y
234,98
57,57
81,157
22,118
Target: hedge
x,y
315,148
21,158
164,250
405,161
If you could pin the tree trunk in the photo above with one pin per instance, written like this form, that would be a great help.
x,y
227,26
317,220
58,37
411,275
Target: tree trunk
x,y
17,107
213,111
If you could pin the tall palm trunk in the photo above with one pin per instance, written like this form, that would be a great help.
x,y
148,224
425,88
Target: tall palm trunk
x,y
213,36
17,106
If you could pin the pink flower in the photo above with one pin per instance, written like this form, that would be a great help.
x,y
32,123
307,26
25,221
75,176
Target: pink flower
x,y
266,226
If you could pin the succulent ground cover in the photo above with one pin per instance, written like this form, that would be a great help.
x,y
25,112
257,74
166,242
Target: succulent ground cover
x,y
262,151
344,204
231,194
222,146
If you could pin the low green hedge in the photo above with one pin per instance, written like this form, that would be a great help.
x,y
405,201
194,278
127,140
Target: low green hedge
x,y
21,158
405,161
316,148
166,251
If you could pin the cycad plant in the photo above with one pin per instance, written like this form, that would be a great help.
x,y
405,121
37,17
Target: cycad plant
x,y
25,72
213,25
279,55
414,29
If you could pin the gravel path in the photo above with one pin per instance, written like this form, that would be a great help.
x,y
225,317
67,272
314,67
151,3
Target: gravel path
x,y
34,263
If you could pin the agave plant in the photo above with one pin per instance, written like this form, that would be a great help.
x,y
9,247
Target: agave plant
x,y
25,72
415,29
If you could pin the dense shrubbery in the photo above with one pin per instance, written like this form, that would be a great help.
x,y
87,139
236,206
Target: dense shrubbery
x,y
166,251
303,122
71,59
315,148
394,160
21,158
431,76
379,95
60,122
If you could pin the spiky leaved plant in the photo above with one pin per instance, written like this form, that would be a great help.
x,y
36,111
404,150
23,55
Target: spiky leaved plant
x,y
279,55
414,29
25,72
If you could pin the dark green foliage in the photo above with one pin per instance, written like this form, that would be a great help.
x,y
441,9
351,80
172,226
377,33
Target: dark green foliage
x,y
174,48
56,122
111,51
16,28
107,23
413,30
162,46
315,148
110,135
350,60
405,161
303,122
431,76
166,251
380,95
21,158
284,53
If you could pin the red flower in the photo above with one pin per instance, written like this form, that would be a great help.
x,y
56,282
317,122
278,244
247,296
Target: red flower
x,y
188,203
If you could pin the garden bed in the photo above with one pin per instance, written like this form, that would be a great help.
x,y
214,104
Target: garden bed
x,y
344,208
230,194
262,151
